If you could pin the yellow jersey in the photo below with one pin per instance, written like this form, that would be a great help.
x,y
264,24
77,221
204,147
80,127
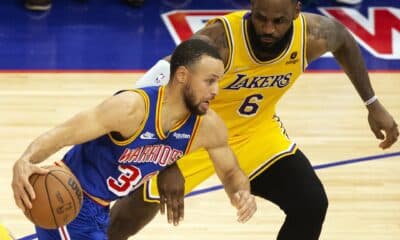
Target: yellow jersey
x,y
250,87
246,102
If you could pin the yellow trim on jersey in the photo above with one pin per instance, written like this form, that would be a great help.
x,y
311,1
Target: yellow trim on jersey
x,y
229,39
194,132
293,148
142,124
98,200
147,187
158,124
304,24
250,48
180,123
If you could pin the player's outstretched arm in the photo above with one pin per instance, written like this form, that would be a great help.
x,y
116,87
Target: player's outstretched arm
x,y
121,113
327,35
213,133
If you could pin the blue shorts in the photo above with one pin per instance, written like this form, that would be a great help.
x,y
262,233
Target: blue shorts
x,y
91,224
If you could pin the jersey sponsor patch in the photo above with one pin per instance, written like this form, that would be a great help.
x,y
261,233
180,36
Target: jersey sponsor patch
x,y
181,135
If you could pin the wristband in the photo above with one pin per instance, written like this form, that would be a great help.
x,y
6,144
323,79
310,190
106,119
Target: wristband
x,y
370,100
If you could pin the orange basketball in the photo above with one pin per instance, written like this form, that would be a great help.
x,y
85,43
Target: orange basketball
x,y
58,198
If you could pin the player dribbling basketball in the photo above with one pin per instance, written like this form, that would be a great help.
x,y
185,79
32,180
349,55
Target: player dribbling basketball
x,y
132,136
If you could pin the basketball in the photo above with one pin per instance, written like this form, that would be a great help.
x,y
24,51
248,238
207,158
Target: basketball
x,y
58,198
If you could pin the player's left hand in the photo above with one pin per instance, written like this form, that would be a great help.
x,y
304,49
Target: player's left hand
x,y
382,125
245,204
171,187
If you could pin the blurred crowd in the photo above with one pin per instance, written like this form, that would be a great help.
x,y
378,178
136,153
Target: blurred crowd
x,y
44,5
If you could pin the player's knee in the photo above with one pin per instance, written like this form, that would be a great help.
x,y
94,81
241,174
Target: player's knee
x,y
319,204
314,204
126,222
129,215
119,227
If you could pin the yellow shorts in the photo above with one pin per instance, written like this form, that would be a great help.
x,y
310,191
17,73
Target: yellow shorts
x,y
255,153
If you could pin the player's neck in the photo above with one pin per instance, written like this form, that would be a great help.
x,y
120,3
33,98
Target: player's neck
x,y
173,108
267,53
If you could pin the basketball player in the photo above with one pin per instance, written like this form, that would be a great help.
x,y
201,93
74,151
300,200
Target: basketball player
x,y
264,51
133,135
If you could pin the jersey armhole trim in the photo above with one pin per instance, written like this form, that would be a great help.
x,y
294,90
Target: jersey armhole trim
x,y
142,124
229,40
304,42
194,134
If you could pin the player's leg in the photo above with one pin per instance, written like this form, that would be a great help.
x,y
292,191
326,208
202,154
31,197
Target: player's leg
x,y
292,184
130,214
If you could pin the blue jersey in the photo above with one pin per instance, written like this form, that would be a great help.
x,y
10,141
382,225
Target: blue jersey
x,y
110,167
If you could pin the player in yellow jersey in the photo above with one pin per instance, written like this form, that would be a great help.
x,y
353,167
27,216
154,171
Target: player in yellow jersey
x,y
264,51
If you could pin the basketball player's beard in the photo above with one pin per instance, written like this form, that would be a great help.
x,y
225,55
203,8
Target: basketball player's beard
x,y
273,48
190,103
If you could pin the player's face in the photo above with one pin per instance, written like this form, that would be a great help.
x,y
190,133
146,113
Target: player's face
x,y
272,19
202,85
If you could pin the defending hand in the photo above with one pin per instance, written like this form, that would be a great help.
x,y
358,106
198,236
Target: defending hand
x,y
171,187
382,125
245,203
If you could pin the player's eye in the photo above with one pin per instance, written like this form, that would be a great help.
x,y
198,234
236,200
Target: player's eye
x,y
260,17
211,81
280,20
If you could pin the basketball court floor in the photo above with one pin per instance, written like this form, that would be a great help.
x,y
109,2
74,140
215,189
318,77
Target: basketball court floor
x,y
57,63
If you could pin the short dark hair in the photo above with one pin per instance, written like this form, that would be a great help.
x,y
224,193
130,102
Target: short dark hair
x,y
190,52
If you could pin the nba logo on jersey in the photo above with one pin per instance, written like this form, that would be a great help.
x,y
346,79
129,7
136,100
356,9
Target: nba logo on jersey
x,y
160,79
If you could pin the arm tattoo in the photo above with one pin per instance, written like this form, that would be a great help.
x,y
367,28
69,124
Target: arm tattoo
x,y
215,35
326,30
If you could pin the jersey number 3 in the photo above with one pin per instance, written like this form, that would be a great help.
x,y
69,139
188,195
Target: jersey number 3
x,y
250,105
126,182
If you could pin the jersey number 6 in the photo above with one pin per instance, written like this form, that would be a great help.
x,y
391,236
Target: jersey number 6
x,y
250,105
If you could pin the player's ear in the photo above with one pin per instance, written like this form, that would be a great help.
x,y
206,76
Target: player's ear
x,y
297,10
181,74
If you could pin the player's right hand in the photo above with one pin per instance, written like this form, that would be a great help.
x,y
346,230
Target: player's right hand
x,y
246,205
23,190
171,187
382,125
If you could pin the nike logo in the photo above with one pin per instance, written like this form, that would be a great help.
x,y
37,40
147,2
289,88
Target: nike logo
x,y
147,135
